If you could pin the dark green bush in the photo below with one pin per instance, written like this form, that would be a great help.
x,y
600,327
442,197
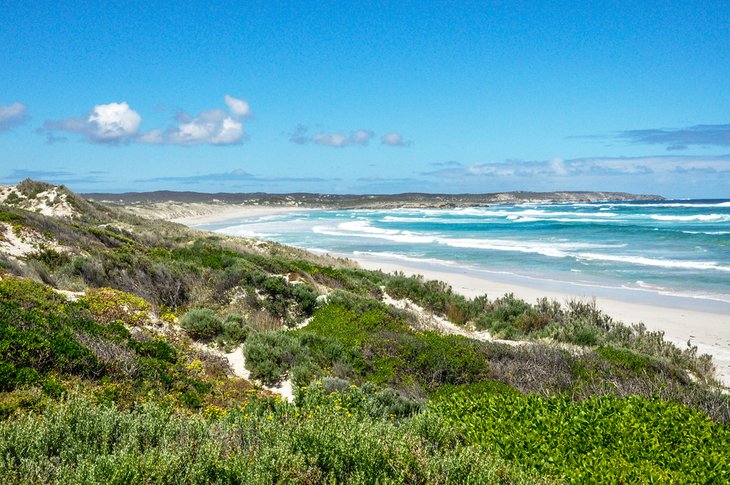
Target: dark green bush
x,y
235,329
201,323
270,355
600,439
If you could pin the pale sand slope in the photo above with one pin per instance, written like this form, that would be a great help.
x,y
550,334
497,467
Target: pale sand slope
x,y
710,332
200,214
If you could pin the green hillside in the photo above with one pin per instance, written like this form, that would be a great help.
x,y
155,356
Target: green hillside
x,y
122,342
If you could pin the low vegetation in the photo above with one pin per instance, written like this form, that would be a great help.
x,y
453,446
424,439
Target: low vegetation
x,y
111,371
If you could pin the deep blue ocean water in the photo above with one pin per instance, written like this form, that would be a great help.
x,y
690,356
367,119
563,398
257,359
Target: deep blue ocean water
x,y
677,250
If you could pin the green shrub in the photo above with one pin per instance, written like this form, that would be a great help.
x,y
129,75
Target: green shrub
x,y
235,329
270,355
107,305
627,358
10,217
51,258
586,336
600,439
304,372
201,323
264,442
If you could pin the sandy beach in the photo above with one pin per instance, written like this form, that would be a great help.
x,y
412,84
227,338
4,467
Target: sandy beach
x,y
710,332
197,214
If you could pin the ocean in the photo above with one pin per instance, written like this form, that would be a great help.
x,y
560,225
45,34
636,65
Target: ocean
x,y
673,253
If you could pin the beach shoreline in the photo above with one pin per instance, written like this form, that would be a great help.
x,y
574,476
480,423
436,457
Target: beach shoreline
x,y
196,214
708,330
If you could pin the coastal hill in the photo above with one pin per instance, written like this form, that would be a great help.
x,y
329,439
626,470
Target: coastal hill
x,y
147,351
372,201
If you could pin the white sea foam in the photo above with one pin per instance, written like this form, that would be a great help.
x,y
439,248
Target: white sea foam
x,y
242,231
553,249
351,230
403,257
559,249
695,217
662,263
658,204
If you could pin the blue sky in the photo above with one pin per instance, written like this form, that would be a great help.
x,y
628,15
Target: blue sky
x,y
367,97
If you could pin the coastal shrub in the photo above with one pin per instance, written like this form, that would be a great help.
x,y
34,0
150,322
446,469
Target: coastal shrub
x,y
531,321
270,355
635,361
201,323
11,217
373,344
235,329
588,312
261,443
585,335
107,305
52,258
505,310
366,399
30,188
305,372
29,294
433,295
600,439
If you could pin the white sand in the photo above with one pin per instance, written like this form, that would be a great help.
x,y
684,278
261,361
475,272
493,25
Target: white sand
x,y
200,214
710,332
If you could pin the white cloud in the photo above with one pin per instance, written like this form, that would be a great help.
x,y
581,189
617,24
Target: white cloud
x,y
394,139
237,107
332,139
214,127
361,137
582,167
113,122
12,116
153,137
557,165
106,123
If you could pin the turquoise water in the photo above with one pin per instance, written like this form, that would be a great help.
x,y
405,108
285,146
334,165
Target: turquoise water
x,y
678,251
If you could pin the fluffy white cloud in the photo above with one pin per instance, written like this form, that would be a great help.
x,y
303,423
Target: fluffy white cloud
x,y
12,116
394,139
237,107
113,122
214,127
106,123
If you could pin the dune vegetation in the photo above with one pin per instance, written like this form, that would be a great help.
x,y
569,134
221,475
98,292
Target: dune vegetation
x,y
116,334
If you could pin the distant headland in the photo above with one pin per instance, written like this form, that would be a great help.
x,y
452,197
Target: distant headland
x,y
365,201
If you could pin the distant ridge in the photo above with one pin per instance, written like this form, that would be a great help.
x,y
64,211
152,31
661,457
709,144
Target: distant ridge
x,y
365,201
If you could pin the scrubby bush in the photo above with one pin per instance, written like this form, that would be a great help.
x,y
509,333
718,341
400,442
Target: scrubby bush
x,y
264,442
201,323
270,355
600,439
107,305
235,329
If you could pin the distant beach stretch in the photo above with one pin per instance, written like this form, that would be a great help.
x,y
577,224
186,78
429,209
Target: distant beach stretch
x,y
666,264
